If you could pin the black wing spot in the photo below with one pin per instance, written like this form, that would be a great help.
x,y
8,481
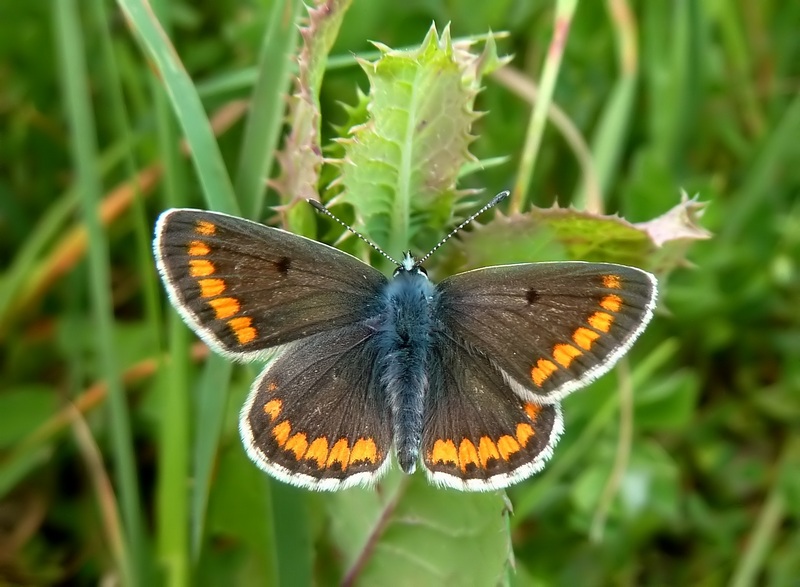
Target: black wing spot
x,y
282,265
532,296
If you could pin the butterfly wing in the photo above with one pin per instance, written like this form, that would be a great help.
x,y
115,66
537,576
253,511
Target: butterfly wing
x,y
550,328
317,416
478,434
245,287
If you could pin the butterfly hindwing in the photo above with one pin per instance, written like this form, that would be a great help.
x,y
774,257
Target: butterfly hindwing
x,y
478,434
551,328
317,417
245,287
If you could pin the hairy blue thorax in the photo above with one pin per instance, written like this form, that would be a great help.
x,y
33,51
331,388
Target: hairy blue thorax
x,y
404,339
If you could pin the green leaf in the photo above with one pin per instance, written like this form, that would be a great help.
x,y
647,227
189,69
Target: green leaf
x,y
410,532
16,467
667,403
649,485
592,237
508,239
565,233
239,513
23,409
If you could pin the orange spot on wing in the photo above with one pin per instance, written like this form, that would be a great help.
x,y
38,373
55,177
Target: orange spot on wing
x,y
507,446
198,249
364,450
584,337
533,411
281,432
205,228
242,329
225,307
487,450
272,386
611,302
524,432
564,353
210,288
340,453
467,454
601,321
200,267
444,451
318,451
612,281
542,370
297,444
273,408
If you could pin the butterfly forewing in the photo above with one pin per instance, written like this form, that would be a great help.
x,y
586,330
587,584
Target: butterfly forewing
x,y
317,417
551,328
246,287
478,434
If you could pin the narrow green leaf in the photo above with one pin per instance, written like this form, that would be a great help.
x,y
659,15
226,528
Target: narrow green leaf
x,y
565,10
610,137
186,104
83,137
267,104
212,397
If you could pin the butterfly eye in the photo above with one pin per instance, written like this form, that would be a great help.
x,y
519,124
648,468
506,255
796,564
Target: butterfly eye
x,y
416,270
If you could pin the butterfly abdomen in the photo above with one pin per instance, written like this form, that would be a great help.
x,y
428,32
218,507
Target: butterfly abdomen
x,y
404,341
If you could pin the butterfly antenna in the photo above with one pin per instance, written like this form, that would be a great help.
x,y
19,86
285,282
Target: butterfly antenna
x,y
494,201
321,208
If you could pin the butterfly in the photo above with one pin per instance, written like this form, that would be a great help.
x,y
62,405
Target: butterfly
x,y
463,377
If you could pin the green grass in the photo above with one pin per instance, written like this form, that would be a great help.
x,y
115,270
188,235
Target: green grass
x,y
119,453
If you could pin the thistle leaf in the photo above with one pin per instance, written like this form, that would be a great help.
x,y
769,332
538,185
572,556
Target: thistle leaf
x,y
556,233
400,166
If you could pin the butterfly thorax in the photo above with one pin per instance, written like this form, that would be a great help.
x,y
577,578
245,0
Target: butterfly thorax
x,y
404,342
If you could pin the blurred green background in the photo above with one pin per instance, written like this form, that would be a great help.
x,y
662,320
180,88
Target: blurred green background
x,y
119,455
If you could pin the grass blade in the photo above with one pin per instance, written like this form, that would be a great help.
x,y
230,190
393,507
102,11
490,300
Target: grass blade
x,y
565,9
188,108
83,133
267,104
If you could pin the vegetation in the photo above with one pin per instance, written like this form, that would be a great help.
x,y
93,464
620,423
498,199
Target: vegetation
x,y
119,453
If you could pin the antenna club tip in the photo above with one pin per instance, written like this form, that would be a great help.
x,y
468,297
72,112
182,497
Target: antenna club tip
x,y
317,205
500,197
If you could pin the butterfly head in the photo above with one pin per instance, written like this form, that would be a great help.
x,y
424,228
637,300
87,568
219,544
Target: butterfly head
x,y
410,266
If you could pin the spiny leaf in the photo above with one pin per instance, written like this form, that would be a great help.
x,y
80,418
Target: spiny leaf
x,y
400,167
357,114
564,233
674,232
